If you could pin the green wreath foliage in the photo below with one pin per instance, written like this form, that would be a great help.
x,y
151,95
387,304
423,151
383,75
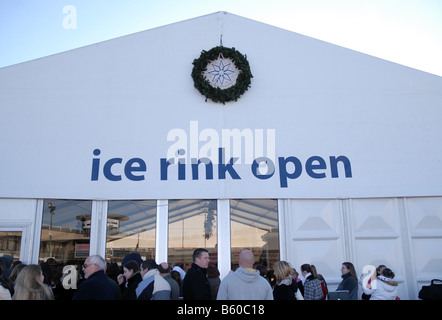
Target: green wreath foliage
x,y
216,94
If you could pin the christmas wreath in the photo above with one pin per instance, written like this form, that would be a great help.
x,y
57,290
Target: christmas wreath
x,y
221,74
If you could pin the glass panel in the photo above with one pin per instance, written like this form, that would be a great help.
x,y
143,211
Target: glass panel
x,y
192,225
254,226
10,242
65,231
131,228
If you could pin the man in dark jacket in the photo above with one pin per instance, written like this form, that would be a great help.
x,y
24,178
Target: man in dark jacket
x,y
97,286
196,285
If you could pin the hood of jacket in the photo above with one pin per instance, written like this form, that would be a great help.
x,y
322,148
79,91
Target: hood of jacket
x,y
286,281
390,283
247,275
150,272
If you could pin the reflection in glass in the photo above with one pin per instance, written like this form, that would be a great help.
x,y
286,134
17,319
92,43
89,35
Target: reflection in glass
x,y
10,242
192,225
65,231
254,226
131,228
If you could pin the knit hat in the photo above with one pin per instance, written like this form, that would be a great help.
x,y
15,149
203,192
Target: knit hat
x,y
132,256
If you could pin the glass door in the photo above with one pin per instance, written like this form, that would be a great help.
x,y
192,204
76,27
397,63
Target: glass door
x,y
10,243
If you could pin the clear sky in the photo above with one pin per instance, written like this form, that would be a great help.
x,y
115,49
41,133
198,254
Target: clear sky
x,y
408,32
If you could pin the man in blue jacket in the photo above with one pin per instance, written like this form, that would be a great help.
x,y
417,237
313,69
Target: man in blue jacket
x,y
97,286
153,286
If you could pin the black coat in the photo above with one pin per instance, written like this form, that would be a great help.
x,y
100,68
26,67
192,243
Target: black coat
x,y
132,284
196,285
97,287
285,292
351,284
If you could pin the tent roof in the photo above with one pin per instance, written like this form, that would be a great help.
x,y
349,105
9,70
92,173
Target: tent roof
x,y
126,96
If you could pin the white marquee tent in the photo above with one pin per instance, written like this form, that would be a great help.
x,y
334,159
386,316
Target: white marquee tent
x,y
348,144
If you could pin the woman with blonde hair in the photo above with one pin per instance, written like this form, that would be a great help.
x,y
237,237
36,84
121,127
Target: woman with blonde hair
x,y
29,285
286,287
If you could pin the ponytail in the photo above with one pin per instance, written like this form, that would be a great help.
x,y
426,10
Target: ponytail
x,y
310,269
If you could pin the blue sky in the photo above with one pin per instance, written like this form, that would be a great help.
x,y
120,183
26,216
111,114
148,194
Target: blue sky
x,y
408,32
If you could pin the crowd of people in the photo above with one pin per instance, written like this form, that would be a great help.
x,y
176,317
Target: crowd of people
x,y
138,279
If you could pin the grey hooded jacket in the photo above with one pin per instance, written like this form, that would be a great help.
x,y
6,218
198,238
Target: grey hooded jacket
x,y
244,284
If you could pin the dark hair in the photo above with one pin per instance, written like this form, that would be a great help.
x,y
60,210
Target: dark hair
x,y
2,267
388,273
380,268
352,269
132,265
176,276
262,270
7,284
149,264
310,269
197,253
212,271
